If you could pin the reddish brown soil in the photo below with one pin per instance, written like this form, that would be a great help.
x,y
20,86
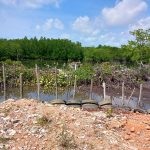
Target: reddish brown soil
x,y
70,128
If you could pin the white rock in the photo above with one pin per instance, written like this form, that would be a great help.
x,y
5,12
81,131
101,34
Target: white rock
x,y
6,118
11,132
43,131
63,107
34,130
77,124
82,137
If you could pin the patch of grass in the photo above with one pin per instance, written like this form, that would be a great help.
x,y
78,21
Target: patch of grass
x,y
4,139
6,111
43,121
109,112
66,140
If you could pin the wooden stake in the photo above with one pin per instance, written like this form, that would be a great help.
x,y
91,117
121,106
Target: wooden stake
x,y
56,92
91,89
68,86
38,81
104,90
21,86
122,93
4,81
140,94
75,82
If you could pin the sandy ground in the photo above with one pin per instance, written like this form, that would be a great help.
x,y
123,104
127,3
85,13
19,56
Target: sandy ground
x,y
32,125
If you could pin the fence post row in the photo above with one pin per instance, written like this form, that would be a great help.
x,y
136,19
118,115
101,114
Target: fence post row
x,y
74,90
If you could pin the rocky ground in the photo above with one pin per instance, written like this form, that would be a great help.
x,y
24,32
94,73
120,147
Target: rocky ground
x,y
32,125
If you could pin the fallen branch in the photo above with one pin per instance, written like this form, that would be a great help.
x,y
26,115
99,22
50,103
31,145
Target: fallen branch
x,y
130,96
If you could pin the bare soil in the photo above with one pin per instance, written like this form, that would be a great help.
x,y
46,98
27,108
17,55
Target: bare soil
x,y
33,125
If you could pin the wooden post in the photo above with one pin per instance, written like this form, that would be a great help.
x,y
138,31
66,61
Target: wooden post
x,y
75,66
75,82
140,94
56,92
4,81
91,88
38,81
21,86
104,90
68,86
122,93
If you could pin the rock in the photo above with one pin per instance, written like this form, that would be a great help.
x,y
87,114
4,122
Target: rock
x,y
147,139
57,102
82,137
77,124
90,107
63,107
73,102
139,110
7,118
89,101
147,127
106,106
15,121
148,111
132,129
11,132
74,106
127,137
34,130
105,102
43,131
138,133
125,108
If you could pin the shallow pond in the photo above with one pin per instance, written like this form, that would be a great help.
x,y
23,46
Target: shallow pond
x,y
31,93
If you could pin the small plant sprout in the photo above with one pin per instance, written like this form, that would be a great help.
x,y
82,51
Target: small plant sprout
x,y
43,121
66,139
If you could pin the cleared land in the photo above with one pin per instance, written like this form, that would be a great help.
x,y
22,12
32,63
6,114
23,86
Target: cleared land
x,y
29,124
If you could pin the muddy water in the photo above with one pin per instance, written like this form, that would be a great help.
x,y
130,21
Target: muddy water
x,y
31,93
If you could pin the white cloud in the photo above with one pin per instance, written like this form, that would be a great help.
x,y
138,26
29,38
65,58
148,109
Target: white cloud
x,y
58,24
37,27
141,24
85,25
31,3
124,12
109,38
65,36
50,24
8,2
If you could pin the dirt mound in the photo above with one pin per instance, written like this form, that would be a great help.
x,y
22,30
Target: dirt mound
x,y
30,124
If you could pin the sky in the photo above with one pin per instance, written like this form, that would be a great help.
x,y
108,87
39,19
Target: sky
x,y
91,22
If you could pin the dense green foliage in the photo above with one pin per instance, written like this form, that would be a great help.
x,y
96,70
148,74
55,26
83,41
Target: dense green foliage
x,y
12,72
111,73
137,50
53,49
